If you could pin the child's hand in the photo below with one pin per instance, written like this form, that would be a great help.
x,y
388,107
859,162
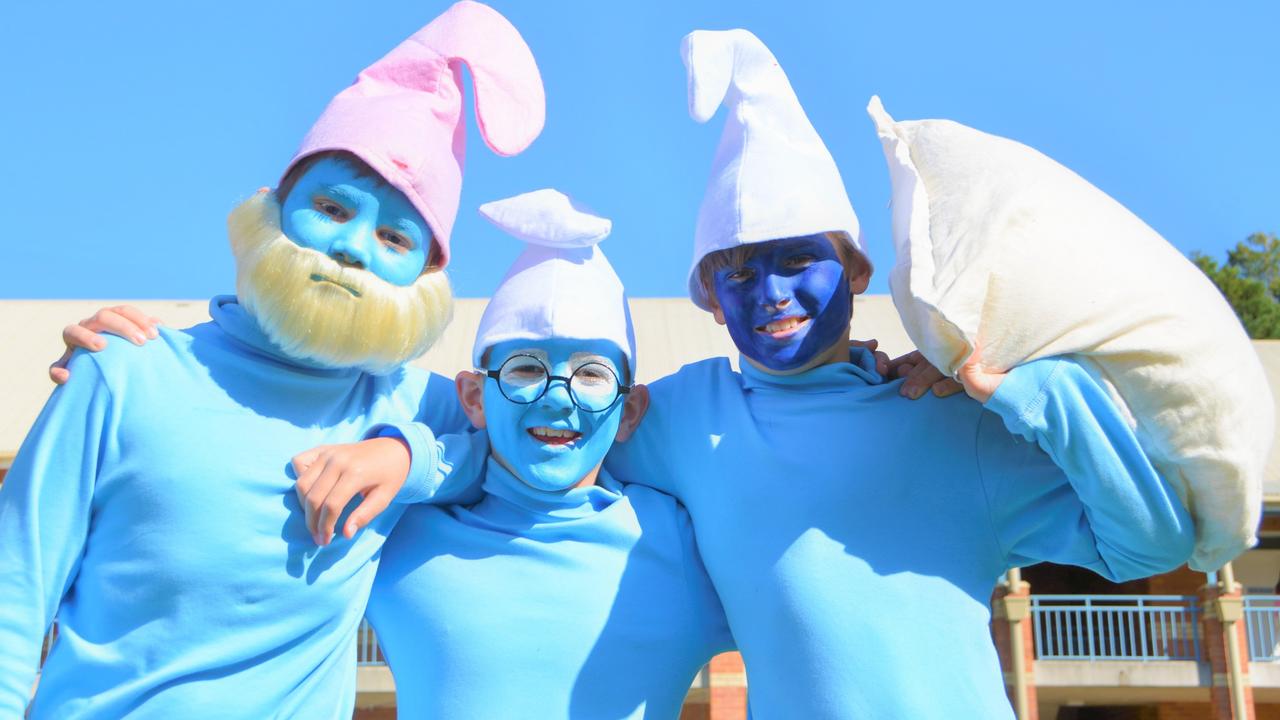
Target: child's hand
x,y
330,475
921,376
126,321
979,381
882,359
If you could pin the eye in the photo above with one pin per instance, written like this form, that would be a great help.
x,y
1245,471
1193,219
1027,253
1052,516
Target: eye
x,y
740,275
391,237
331,209
801,261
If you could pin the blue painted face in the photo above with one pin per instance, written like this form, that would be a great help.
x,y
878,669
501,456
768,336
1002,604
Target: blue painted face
x,y
551,444
788,303
357,220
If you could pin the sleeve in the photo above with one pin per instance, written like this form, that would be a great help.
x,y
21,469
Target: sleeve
x,y
711,623
446,455
1067,481
652,456
46,503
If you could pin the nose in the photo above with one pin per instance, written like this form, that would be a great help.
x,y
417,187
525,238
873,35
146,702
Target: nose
x,y
557,397
777,292
354,245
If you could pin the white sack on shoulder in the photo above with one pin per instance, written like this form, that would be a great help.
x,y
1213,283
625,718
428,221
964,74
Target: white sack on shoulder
x,y
998,245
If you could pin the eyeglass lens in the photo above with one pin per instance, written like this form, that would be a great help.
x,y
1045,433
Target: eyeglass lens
x,y
524,378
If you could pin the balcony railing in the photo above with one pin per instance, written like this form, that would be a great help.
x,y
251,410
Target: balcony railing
x,y
368,653
1262,625
1116,627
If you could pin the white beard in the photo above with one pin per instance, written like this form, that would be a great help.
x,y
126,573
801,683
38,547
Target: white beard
x,y
354,319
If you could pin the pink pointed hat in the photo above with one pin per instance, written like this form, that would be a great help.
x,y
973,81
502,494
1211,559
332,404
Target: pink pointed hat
x,y
403,116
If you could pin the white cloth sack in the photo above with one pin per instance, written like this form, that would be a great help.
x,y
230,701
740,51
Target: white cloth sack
x,y
561,286
1000,246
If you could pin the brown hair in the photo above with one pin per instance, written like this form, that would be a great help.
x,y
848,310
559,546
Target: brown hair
x,y
853,261
362,169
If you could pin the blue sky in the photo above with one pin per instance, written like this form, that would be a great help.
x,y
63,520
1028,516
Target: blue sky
x,y
130,129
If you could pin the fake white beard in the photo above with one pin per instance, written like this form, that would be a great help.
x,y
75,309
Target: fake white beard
x,y
378,330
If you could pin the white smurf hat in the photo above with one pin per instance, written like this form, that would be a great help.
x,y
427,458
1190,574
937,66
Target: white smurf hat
x,y
561,286
772,177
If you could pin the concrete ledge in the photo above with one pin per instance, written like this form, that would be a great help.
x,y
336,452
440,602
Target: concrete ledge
x,y
375,687
1121,673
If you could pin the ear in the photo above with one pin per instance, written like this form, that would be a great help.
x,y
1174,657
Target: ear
x,y
471,395
858,283
716,312
633,411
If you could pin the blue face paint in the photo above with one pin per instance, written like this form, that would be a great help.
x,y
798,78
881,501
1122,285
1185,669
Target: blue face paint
x,y
788,303
517,433
357,220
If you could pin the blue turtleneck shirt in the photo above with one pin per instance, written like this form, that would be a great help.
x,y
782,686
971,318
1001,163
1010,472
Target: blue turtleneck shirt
x,y
151,509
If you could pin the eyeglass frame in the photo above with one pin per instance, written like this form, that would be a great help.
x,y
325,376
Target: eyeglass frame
x,y
623,389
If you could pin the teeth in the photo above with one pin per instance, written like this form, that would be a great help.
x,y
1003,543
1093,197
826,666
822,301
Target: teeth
x,y
784,324
553,432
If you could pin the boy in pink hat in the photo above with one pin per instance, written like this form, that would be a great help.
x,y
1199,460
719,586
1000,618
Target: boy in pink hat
x,y
151,508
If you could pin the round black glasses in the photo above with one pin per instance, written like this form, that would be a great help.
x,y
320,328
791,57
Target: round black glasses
x,y
593,386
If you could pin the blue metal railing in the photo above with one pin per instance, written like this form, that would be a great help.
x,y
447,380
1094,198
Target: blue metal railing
x,y
1262,625
1116,627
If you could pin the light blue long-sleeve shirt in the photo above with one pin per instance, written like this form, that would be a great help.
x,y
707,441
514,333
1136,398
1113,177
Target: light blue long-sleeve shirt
x,y
152,510
855,537
590,603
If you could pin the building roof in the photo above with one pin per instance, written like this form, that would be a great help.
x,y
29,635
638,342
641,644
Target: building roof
x,y
670,332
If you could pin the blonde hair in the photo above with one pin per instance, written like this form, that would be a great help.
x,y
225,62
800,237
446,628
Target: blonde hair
x,y
853,261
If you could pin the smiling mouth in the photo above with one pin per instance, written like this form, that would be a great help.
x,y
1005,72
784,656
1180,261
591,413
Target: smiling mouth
x,y
783,328
326,279
553,436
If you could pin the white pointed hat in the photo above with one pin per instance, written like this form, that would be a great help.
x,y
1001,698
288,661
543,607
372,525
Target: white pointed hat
x,y
561,286
772,176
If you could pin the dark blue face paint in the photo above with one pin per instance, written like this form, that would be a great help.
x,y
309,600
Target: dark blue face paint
x,y
357,220
788,303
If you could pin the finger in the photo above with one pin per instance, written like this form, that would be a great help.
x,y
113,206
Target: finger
x,y
921,378
871,344
882,363
143,321
113,322
326,504
77,336
58,371
901,365
307,480
371,507
947,387
304,460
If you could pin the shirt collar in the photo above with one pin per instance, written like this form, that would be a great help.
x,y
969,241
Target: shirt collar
x,y
235,320
549,506
859,371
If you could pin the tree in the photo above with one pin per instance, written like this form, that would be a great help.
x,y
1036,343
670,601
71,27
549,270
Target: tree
x,y
1250,281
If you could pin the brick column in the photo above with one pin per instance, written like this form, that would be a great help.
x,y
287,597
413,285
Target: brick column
x,y
1223,615
1011,622
727,694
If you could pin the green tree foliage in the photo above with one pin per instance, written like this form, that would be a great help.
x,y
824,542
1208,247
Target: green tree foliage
x,y
1250,280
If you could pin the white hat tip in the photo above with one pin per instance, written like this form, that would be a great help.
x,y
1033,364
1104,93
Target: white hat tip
x,y
547,218
883,121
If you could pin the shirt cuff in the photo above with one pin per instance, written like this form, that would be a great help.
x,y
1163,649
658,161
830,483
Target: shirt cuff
x,y
424,457
1021,396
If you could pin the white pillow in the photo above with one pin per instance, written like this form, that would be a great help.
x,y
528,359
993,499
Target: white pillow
x,y
999,245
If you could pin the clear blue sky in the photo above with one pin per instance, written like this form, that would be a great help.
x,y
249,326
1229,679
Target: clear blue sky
x,y
130,129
